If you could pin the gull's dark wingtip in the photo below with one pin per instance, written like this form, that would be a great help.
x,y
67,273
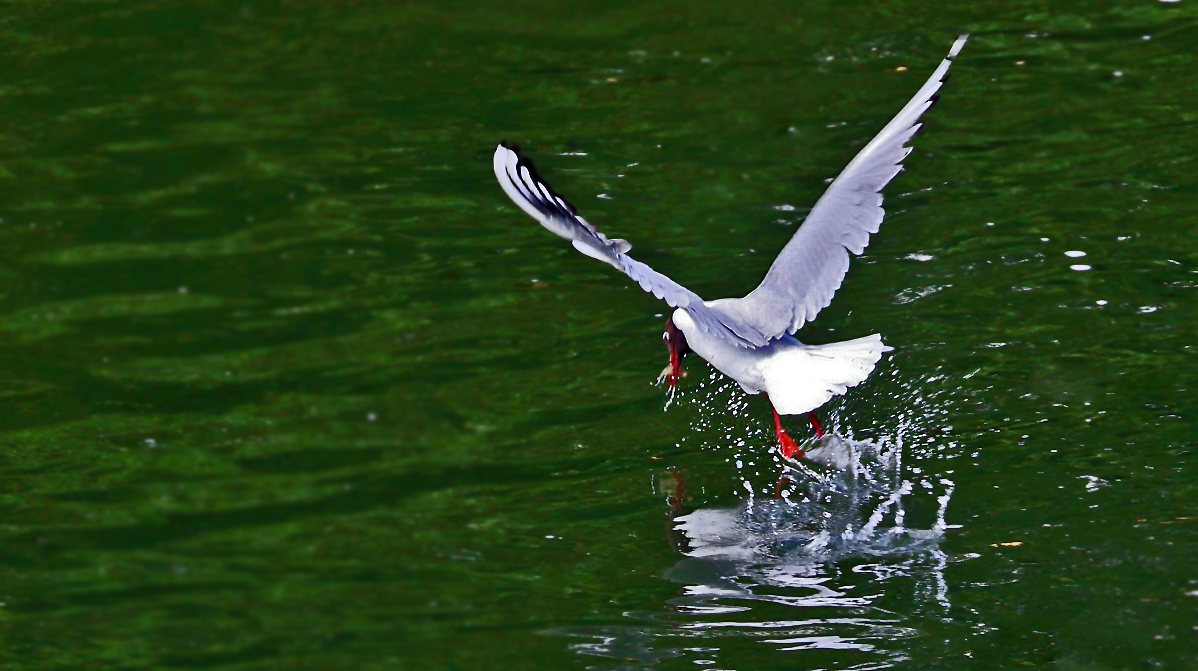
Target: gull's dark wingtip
x,y
545,202
522,161
510,146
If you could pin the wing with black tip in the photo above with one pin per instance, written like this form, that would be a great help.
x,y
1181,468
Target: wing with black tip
x,y
522,184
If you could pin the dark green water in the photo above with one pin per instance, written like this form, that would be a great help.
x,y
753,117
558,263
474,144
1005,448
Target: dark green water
x,y
289,383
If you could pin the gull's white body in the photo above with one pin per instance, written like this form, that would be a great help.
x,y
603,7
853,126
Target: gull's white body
x,y
798,378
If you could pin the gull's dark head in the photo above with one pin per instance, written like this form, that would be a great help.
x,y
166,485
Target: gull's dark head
x,y
676,341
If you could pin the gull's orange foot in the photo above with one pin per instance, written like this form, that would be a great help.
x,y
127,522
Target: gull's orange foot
x,y
789,447
787,444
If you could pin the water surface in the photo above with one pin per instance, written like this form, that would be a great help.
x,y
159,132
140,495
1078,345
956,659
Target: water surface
x,y
288,383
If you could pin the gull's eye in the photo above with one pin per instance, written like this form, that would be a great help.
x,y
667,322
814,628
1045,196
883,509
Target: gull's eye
x,y
665,336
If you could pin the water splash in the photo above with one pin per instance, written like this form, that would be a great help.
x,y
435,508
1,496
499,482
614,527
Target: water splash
x,y
804,560
847,498
880,505
841,529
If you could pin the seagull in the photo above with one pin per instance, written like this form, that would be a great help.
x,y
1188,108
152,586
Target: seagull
x,y
751,339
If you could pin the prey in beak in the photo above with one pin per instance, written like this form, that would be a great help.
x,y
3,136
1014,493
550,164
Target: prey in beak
x,y
676,342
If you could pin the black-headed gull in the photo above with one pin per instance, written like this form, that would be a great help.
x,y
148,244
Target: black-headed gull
x,y
750,339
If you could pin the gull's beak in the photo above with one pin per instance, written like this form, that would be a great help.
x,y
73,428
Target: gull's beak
x,y
673,370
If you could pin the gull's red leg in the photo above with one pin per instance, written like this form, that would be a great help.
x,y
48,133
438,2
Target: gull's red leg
x,y
819,428
789,447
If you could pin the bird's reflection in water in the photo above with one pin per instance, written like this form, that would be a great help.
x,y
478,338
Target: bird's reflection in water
x,y
847,498
815,570
837,530
835,564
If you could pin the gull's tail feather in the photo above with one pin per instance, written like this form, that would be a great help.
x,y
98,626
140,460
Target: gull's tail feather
x,y
816,373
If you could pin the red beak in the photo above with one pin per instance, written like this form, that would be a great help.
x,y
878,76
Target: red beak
x,y
675,365
676,341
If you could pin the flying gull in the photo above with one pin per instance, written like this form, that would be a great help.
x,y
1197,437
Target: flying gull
x,y
751,339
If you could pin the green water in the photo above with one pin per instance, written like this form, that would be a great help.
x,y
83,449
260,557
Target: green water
x,y
289,383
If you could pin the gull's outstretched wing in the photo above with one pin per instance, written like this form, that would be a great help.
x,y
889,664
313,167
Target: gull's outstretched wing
x,y
813,264
522,184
